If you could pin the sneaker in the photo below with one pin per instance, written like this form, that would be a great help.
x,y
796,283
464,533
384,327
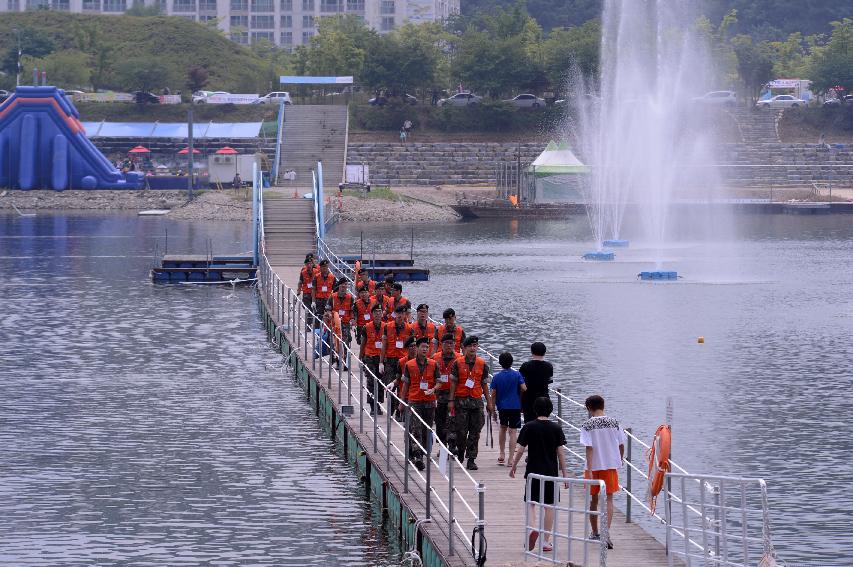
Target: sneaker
x,y
419,464
609,544
471,466
546,548
595,537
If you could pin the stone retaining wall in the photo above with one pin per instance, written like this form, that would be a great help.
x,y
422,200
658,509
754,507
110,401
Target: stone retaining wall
x,y
476,163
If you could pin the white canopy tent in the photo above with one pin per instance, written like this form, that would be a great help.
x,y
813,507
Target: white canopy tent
x,y
556,175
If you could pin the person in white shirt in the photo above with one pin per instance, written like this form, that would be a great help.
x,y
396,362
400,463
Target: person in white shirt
x,y
605,446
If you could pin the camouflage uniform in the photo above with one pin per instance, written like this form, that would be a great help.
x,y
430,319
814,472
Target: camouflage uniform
x,y
418,431
469,420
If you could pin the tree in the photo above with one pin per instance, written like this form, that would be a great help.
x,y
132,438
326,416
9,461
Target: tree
x,y
493,66
572,48
68,68
35,43
197,78
754,64
338,48
832,64
90,39
144,74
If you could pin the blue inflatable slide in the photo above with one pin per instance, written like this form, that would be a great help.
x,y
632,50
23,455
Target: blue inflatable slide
x,y
43,146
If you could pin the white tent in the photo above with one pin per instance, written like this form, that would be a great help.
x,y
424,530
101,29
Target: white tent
x,y
556,175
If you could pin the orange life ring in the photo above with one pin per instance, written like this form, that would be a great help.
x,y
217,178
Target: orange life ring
x,y
658,457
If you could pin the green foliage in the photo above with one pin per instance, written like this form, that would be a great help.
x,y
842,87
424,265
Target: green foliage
x,y
832,64
144,74
774,20
175,44
68,68
754,64
338,48
570,48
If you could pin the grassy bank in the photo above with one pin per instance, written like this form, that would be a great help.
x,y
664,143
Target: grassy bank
x,y
807,124
103,47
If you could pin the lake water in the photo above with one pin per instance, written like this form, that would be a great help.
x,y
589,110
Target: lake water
x,y
769,392
148,425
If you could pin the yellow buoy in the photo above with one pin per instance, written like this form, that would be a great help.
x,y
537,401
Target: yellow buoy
x,y
701,340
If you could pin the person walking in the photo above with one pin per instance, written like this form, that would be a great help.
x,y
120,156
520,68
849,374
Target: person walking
x,y
468,380
537,373
605,449
344,306
371,354
419,383
305,286
362,312
444,358
423,327
365,281
397,297
506,389
397,332
450,326
542,438
324,284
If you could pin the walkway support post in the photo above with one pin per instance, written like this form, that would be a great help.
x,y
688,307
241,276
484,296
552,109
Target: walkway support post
x,y
628,476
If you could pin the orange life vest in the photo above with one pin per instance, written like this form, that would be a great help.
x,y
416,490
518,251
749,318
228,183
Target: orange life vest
x,y
343,307
476,374
457,335
364,313
306,279
443,371
428,332
371,286
396,339
372,338
418,382
323,285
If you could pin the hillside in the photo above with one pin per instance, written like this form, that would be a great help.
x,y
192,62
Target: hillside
x,y
119,50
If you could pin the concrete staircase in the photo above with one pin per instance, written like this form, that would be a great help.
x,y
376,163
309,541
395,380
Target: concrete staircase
x,y
289,230
314,133
757,126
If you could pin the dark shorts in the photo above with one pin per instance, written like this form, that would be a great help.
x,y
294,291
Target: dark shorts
x,y
547,497
510,418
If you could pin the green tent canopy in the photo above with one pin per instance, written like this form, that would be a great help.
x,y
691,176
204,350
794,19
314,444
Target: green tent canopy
x,y
557,159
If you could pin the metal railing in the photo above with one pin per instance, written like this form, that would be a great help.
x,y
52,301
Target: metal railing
x,y
733,524
637,480
569,536
443,487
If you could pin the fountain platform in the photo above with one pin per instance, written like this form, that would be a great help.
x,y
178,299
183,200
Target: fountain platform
x,y
616,243
658,275
599,256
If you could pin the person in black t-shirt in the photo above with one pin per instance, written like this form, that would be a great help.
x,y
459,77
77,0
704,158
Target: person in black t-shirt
x,y
537,373
543,439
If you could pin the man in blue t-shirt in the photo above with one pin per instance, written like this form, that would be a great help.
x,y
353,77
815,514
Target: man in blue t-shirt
x,y
506,389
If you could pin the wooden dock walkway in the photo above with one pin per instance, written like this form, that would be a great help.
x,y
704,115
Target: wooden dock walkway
x,y
376,448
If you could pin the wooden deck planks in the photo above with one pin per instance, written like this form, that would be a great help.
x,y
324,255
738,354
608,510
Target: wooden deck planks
x,y
504,508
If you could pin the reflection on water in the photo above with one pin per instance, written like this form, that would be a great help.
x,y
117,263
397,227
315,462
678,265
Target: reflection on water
x,y
144,424
768,394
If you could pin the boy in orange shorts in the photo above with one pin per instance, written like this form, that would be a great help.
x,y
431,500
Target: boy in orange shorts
x,y
605,446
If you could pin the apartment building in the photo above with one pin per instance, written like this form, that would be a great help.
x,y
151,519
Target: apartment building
x,y
286,23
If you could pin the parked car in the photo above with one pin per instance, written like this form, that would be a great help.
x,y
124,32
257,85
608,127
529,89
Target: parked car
x,y
781,101
526,101
724,98
383,100
142,97
200,97
848,99
461,99
4,95
274,97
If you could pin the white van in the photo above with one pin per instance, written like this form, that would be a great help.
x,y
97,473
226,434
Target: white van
x,y
275,97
